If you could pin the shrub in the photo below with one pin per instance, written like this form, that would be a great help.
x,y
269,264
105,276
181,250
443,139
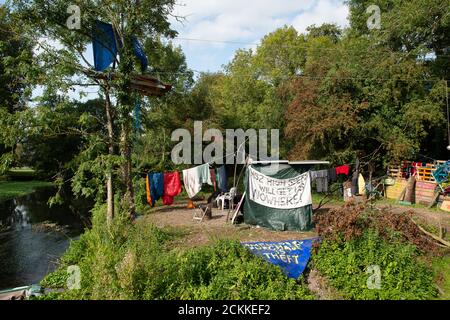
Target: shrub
x,y
223,271
345,263
127,261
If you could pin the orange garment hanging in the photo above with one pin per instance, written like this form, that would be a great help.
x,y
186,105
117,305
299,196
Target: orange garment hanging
x,y
147,188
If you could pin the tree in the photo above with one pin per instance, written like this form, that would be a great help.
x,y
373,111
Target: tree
x,y
329,30
359,98
140,19
419,28
15,57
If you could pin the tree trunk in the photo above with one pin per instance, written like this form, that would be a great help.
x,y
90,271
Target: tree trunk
x,y
127,171
109,175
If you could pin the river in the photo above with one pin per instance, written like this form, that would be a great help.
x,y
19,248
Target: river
x,y
29,249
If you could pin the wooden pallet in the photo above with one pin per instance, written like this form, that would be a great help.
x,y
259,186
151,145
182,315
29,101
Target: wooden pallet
x,y
395,172
425,173
445,205
393,192
425,192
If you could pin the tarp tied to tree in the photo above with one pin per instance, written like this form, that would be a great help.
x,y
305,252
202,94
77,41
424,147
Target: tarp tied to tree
x,y
60,52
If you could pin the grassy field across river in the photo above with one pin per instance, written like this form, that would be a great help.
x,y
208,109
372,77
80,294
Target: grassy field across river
x,y
12,189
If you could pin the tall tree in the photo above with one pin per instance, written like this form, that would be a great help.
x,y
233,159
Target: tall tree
x,y
65,61
15,58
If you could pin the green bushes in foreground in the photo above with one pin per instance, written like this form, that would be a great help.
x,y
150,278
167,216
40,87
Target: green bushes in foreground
x,y
136,262
345,264
127,261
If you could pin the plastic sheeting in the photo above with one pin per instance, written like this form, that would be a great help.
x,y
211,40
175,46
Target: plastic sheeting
x,y
297,219
291,256
104,45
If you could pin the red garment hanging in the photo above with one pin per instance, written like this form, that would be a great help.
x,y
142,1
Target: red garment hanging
x,y
343,170
172,187
213,178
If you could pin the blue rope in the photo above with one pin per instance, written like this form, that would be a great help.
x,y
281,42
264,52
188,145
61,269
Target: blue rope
x,y
137,115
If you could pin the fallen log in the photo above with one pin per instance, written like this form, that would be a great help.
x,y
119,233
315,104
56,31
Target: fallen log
x,y
438,239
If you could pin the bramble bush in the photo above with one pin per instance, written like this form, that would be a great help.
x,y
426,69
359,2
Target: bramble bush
x,y
357,236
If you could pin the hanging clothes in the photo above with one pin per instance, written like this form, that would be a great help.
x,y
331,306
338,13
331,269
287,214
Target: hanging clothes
x,y
343,170
195,177
139,52
222,178
355,189
172,187
156,183
332,176
104,45
320,177
361,185
213,178
147,189
414,168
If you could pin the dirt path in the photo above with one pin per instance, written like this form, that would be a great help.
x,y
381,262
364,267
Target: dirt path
x,y
196,233
201,233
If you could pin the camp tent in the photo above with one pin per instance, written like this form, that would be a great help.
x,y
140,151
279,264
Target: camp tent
x,y
264,183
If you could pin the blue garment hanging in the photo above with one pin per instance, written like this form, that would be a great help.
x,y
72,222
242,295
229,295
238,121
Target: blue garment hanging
x,y
139,52
223,179
156,181
104,45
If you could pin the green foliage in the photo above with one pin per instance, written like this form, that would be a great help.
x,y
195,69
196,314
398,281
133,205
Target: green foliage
x,y
402,276
229,271
441,269
16,55
56,279
129,261
12,189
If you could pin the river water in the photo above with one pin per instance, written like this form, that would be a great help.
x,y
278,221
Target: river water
x,y
28,251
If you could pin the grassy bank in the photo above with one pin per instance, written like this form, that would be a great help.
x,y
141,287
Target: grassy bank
x,y
12,189
140,261
441,268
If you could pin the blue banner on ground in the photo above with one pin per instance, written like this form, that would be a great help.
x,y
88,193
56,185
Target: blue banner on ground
x,y
291,256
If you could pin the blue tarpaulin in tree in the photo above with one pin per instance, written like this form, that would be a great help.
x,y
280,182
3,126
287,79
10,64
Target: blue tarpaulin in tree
x,y
104,45
139,52
291,256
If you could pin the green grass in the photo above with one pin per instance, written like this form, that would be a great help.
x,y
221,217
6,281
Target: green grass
x,y
12,189
332,199
441,268
139,261
412,206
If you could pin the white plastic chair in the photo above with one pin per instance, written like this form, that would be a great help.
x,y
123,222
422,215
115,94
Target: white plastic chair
x,y
227,196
